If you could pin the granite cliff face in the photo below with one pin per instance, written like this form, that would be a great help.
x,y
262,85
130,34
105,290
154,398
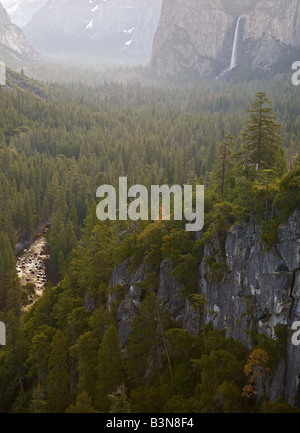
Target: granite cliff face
x,y
13,42
112,29
260,289
197,36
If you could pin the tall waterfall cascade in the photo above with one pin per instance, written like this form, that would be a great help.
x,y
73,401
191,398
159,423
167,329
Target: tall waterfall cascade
x,y
233,61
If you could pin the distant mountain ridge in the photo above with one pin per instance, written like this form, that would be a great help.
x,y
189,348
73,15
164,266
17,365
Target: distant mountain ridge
x,y
21,11
197,36
102,29
13,42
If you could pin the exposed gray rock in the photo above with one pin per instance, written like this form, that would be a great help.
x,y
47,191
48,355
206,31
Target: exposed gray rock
x,y
111,30
292,376
178,306
89,303
129,305
124,329
13,43
121,274
196,36
21,11
169,292
260,290
277,386
289,243
189,38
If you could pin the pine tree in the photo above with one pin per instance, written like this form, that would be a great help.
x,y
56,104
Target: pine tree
x,y
224,162
83,404
58,392
146,342
261,135
110,370
86,350
38,402
8,275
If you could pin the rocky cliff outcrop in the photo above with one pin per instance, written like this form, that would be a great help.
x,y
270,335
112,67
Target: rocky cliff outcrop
x,y
197,35
260,289
13,42
129,305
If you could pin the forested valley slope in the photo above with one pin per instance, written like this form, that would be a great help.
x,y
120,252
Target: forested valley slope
x,y
146,317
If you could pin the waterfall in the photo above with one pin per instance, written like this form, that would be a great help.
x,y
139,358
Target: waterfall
x,y
233,61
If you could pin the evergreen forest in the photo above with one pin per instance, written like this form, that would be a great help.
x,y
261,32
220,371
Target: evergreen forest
x,y
61,140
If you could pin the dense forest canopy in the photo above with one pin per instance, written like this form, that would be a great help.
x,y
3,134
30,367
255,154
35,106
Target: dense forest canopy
x,y
58,143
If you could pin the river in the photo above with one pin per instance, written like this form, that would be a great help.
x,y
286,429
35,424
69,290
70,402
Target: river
x,y
31,266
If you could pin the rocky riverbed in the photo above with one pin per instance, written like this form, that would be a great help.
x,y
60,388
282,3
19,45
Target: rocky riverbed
x,y
31,266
